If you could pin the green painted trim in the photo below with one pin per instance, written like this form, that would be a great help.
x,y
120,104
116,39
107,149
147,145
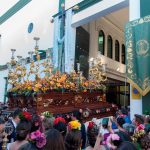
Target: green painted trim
x,y
61,2
14,9
60,9
144,8
82,5
85,4
58,14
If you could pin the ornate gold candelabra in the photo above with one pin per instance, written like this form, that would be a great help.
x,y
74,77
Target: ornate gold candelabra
x,y
37,66
47,64
97,71
16,69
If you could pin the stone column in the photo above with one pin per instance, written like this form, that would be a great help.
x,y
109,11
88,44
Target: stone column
x,y
70,38
135,104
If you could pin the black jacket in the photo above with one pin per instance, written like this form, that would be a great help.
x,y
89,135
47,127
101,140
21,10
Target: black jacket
x,y
11,130
83,132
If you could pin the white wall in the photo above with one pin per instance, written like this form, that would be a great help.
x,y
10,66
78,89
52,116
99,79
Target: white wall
x,y
2,84
70,3
97,10
109,29
14,30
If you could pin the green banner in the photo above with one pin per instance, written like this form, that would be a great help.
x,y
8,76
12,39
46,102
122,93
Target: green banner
x,y
137,34
144,7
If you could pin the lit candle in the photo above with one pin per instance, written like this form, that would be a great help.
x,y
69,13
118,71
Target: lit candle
x,y
78,67
104,67
91,62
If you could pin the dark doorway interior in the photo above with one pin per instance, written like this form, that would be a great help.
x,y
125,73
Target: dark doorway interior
x,y
82,50
118,92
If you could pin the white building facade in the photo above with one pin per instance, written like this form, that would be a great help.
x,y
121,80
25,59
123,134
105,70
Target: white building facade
x,y
90,27
110,18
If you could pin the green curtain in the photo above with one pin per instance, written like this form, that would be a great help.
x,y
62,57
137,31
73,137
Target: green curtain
x,y
137,34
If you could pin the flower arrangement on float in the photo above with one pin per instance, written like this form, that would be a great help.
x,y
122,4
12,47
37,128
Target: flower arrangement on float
x,y
56,82
19,76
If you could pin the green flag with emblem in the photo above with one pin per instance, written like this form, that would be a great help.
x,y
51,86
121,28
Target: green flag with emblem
x,y
137,34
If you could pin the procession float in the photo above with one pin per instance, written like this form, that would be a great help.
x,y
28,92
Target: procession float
x,y
36,86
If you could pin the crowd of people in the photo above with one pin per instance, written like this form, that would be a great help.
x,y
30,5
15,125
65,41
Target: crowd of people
x,y
25,131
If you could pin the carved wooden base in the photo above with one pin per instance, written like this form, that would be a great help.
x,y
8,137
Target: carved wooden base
x,y
92,104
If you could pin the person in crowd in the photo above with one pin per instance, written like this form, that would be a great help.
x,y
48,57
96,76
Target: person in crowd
x,y
123,134
47,123
138,121
147,124
92,134
113,122
127,146
141,139
73,139
129,128
113,141
76,115
147,120
22,130
60,125
37,139
2,124
145,142
13,124
105,128
124,114
36,123
54,140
